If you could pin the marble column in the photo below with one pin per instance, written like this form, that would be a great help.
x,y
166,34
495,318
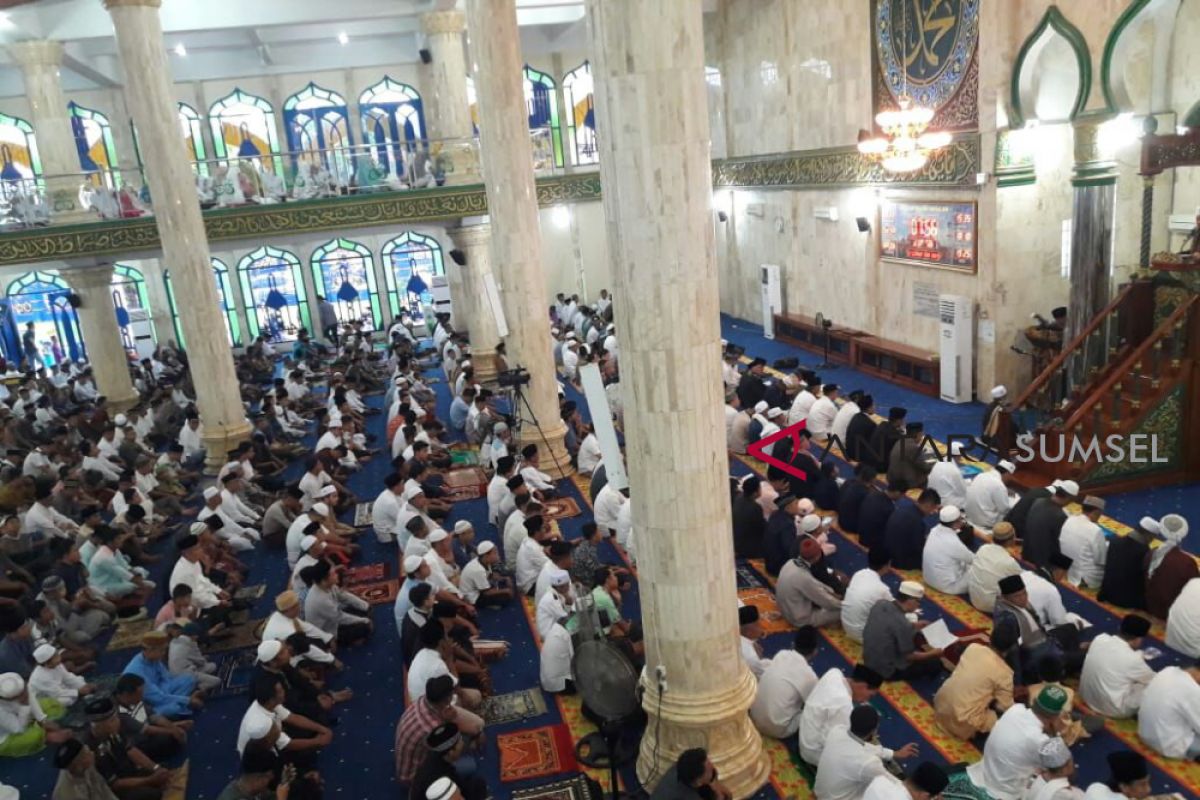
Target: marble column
x,y
98,323
447,111
40,60
180,227
475,242
652,110
513,210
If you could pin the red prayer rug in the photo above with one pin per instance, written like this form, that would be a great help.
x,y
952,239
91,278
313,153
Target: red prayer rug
x,y
364,573
376,592
468,483
561,508
536,753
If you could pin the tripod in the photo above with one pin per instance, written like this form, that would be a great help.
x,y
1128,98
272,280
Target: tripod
x,y
519,420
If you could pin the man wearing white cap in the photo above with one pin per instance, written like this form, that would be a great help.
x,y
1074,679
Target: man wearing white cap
x,y
303,526
1170,567
1082,540
947,480
992,416
557,652
988,496
315,479
240,538
50,678
1053,780
285,621
311,549
443,575
476,582
888,639
946,561
556,603
24,727
1124,581
1043,526
801,405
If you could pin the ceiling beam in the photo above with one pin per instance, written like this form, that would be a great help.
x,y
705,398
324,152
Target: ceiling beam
x,y
91,70
264,50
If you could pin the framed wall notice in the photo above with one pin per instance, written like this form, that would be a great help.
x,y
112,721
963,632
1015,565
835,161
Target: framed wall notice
x,y
930,234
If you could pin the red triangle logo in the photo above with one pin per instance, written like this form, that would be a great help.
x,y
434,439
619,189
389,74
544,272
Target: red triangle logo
x,y
757,449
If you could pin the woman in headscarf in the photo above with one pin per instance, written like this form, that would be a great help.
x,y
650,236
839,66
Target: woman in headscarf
x,y
1170,568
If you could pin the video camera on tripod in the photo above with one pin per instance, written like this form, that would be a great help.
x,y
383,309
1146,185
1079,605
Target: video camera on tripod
x,y
512,378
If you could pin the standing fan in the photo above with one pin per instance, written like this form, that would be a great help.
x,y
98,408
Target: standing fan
x,y
608,684
824,325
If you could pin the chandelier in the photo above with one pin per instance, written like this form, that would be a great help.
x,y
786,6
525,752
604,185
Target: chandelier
x,y
906,146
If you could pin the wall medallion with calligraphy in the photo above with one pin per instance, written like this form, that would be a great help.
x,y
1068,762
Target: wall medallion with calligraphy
x,y
932,44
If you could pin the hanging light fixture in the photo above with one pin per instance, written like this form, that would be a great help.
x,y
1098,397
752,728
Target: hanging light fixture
x,y
906,144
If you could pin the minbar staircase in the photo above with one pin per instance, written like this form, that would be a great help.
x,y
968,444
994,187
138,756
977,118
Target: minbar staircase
x,y
1131,378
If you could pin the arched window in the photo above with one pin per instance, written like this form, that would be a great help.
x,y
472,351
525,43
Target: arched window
x,y
243,127
132,304
542,104
94,142
408,256
224,297
18,152
345,272
318,130
393,121
193,139
43,299
581,114
273,291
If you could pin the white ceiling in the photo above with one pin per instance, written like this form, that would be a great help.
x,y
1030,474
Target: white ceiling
x,y
235,38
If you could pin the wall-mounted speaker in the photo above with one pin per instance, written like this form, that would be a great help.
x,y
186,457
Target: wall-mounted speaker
x,y
75,300
722,216
863,224
459,257
426,56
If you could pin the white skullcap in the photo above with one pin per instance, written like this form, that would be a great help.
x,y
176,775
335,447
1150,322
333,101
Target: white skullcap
x,y
319,508
441,789
485,548
999,392
269,649
198,528
1174,528
335,421
560,578
438,535
119,420
411,491
44,653
949,514
912,589
307,542
956,448
412,564
1150,525
773,413
327,491
571,335
805,507
211,492
462,526
1007,466
258,726
760,406
1054,754
810,523
1070,487
11,686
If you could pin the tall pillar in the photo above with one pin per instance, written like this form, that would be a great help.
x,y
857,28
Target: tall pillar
x,y
447,111
1095,180
102,336
513,209
180,226
40,60
475,243
651,101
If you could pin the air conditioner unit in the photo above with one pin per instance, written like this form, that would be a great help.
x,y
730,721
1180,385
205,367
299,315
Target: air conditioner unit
x,y
441,296
957,316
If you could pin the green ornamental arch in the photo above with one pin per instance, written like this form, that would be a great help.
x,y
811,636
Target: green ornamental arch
x,y
1053,20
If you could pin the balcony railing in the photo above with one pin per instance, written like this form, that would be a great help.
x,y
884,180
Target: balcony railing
x,y
256,179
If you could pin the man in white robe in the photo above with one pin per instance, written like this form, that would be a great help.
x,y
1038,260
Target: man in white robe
x,y
1115,674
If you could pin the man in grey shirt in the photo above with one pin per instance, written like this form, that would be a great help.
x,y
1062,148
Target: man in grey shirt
x,y
889,645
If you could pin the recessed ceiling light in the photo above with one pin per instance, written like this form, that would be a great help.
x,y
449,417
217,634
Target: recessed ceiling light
x,y
343,38
180,50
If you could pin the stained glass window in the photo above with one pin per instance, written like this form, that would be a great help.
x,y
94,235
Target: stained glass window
x,y
193,139
94,142
18,151
408,255
43,299
318,130
393,123
541,103
129,301
243,127
581,114
224,296
345,273
274,294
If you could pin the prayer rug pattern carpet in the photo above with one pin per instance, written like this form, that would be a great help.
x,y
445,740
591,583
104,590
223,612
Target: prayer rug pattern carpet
x,y
362,515
561,508
246,634
376,592
365,573
129,634
770,617
576,788
536,753
523,704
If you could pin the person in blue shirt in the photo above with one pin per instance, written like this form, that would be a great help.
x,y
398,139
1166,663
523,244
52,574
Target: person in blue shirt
x,y
416,570
169,695
460,408
907,528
